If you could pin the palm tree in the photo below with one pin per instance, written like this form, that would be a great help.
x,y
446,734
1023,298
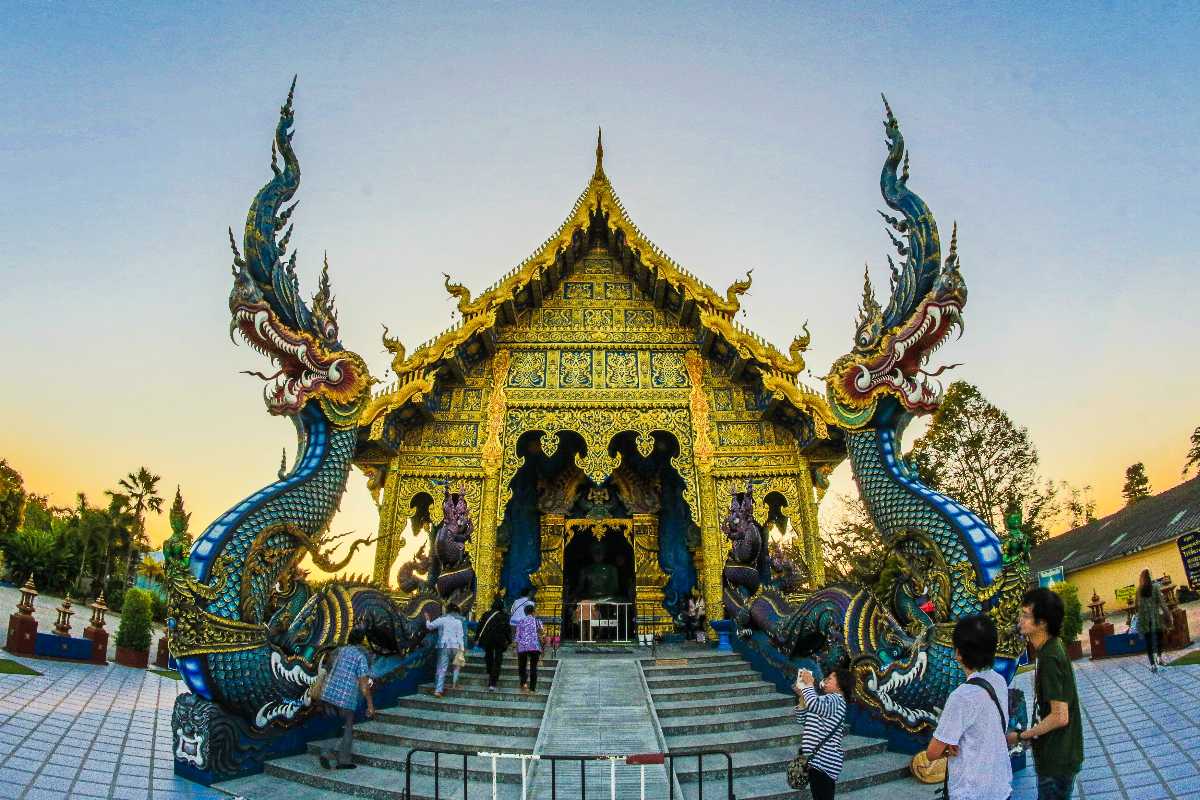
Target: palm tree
x,y
92,527
141,489
151,570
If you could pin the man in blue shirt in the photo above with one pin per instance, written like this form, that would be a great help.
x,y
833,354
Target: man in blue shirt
x,y
347,679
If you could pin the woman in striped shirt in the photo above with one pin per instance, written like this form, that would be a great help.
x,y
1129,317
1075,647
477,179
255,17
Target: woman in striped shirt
x,y
822,716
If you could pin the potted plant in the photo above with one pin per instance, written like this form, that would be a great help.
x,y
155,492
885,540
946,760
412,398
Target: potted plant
x,y
133,634
1072,624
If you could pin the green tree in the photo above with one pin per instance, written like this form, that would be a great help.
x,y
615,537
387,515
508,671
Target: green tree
x,y
12,499
39,514
975,453
1072,624
1137,485
853,549
1193,455
141,488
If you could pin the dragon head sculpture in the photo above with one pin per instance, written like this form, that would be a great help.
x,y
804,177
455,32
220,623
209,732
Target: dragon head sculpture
x,y
267,309
893,345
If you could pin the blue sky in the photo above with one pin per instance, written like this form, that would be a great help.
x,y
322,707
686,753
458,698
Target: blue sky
x,y
454,138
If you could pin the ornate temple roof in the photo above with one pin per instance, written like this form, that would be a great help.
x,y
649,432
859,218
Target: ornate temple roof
x,y
599,213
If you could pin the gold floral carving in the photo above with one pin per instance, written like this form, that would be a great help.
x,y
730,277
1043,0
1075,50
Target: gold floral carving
x,y
698,402
497,404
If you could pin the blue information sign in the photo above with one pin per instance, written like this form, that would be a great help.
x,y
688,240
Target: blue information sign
x,y
1049,577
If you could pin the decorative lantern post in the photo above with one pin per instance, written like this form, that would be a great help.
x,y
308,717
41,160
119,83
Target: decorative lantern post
x,y
63,626
96,633
1100,629
22,625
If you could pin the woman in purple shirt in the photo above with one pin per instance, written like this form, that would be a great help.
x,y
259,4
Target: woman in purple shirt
x,y
529,648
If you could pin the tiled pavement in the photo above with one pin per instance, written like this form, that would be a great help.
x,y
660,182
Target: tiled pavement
x,y
1141,732
89,732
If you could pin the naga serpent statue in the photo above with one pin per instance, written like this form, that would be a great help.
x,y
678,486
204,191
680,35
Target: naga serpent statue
x,y
455,576
743,572
902,653
246,637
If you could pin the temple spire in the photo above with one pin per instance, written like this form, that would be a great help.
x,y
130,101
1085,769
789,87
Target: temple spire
x,y
599,173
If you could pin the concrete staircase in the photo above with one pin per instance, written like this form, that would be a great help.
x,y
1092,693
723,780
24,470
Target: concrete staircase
x,y
467,718
720,703
702,700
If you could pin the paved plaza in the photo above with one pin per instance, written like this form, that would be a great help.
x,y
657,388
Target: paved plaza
x,y
89,732
104,732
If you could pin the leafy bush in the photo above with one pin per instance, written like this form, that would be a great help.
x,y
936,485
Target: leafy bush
x,y
158,606
1072,624
114,594
134,630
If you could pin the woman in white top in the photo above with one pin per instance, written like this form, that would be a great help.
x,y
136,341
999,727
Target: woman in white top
x,y
971,731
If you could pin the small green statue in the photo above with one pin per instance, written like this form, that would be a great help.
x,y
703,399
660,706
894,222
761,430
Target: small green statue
x,y
177,547
1016,544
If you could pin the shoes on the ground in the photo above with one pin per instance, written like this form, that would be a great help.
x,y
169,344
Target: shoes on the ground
x,y
437,694
491,688
324,759
524,689
1154,667
347,766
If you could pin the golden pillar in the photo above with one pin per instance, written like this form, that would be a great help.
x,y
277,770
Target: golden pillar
x,y
649,579
388,542
712,547
811,533
548,578
487,559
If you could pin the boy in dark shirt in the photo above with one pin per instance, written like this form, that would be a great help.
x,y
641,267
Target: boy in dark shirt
x,y
1057,736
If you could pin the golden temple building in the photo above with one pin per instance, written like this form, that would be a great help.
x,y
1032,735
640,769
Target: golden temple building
x,y
598,392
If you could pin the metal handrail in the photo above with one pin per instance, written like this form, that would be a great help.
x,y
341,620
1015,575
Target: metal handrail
x,y
631,759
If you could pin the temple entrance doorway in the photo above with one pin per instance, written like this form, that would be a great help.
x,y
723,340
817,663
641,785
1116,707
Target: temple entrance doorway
x,y
599,593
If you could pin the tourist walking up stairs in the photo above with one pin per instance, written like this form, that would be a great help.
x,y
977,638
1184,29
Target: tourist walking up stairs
x,y
529,648
346,680
451,641
493,636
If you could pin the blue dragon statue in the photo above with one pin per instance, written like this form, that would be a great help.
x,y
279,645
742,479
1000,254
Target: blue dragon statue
x,y
897,636
245,629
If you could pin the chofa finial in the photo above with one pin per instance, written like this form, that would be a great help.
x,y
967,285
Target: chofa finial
x,y
599,173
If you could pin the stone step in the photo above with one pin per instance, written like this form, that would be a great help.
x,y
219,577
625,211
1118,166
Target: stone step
x,y
858,774
695,708
476,664
523,706
908,788
373,783
449,717
509,679
768,760
765,736
738,720
652,667
437,739
699,678
503,695
713,692
391,757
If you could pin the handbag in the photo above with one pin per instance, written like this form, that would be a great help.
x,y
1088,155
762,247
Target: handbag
x,y
797,768
460,658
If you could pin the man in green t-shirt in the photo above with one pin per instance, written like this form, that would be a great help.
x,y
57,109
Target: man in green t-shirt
x,y
1057,734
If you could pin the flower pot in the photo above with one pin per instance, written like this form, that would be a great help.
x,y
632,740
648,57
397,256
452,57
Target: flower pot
x,y
1075,650
128,657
